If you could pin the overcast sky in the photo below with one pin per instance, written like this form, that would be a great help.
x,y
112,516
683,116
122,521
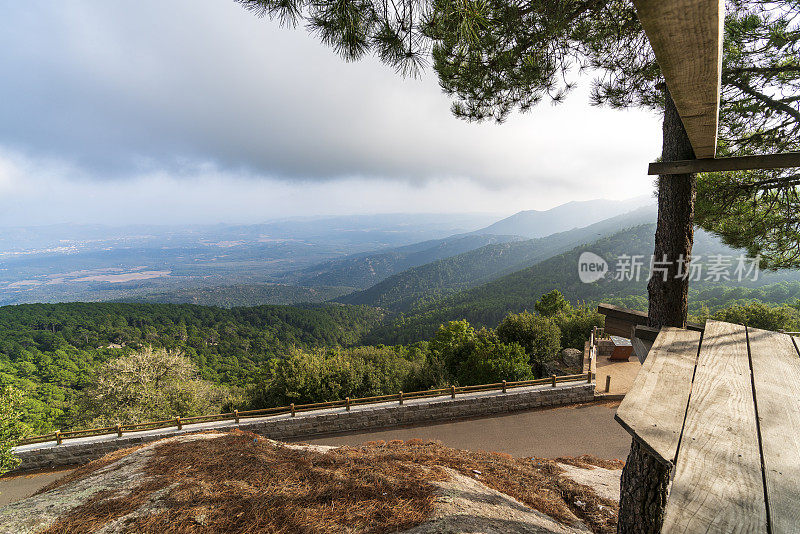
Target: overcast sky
x,y
196,111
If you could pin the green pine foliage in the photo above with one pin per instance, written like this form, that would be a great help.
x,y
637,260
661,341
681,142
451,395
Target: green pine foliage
x,y
12,429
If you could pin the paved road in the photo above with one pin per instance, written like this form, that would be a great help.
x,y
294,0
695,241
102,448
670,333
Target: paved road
x,y
548,433
565,431
18,487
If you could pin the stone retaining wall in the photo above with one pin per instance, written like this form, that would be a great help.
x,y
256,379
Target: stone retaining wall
x,y
320,422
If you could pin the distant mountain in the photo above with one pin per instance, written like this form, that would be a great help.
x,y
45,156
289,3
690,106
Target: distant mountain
x,y
576,214
487,304
365,270
434,280
244,295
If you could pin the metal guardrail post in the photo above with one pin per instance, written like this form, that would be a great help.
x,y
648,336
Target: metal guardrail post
x,y
554,380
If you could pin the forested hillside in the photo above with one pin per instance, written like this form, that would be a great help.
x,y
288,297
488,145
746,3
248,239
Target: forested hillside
x,y
245,295
364,270
427,283
487,304
50,351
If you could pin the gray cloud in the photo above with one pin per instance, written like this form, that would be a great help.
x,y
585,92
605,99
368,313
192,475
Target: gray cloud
x,y
121,89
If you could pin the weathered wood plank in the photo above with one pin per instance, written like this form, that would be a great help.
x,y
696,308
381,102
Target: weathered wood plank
x,y
718,485
654,408
686,36
641,347
776,377
785,160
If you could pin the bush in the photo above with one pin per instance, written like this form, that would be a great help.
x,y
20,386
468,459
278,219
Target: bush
x,y
552,304
315,376
11,428
147,385
539,336
576,325
491,361
759,315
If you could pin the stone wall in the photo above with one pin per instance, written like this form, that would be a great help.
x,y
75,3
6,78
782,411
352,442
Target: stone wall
x,y
321,422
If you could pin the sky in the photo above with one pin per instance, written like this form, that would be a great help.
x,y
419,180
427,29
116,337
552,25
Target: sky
x,y
196,111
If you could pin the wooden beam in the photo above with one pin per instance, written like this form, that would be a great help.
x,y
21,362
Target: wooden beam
x,y
686,36
786,160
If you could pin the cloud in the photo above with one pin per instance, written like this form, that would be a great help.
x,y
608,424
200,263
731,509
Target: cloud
x,y
188,88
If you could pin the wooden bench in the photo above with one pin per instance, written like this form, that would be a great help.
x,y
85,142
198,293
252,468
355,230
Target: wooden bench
x,y
720,411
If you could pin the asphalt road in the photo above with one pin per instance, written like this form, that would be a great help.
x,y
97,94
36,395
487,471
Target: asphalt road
x,y
550,433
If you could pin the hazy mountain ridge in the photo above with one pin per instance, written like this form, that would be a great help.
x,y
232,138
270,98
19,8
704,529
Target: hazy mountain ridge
x,y
365,270
434,280
575,214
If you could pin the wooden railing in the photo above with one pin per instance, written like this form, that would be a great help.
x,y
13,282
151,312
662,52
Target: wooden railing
x,y
292,409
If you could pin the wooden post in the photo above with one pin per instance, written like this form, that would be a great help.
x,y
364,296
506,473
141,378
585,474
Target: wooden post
x,y
236,416
401,397
291,407
59,439
119,430
608,383
554,380
453,391
504,386
178,423
347,404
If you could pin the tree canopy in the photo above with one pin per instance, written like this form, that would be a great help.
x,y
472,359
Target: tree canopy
x,y
496,56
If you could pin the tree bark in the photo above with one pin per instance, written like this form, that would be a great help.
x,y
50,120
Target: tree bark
x,y
668,291
643,493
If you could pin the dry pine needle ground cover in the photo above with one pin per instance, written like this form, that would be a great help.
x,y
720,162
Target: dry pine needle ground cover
x,y
244,483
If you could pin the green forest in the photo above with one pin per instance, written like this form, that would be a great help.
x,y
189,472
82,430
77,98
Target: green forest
x,y
78,365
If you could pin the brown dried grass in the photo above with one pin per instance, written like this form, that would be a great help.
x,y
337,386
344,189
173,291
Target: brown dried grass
x,y
587,461
243,483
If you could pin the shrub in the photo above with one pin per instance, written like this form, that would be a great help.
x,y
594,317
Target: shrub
x,y
552,304
146,385
539,336
12,430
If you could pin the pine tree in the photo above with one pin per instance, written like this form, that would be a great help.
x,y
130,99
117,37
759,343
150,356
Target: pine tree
x,y
496,56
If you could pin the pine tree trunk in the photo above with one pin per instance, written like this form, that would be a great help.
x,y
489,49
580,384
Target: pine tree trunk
x,y
643,493
675,228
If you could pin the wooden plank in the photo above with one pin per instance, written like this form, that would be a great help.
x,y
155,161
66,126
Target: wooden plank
x,y
686,36
786,160
641,347
718,485
654,408
776,378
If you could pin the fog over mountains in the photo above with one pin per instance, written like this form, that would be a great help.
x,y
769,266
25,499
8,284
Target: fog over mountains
x,y
381,260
